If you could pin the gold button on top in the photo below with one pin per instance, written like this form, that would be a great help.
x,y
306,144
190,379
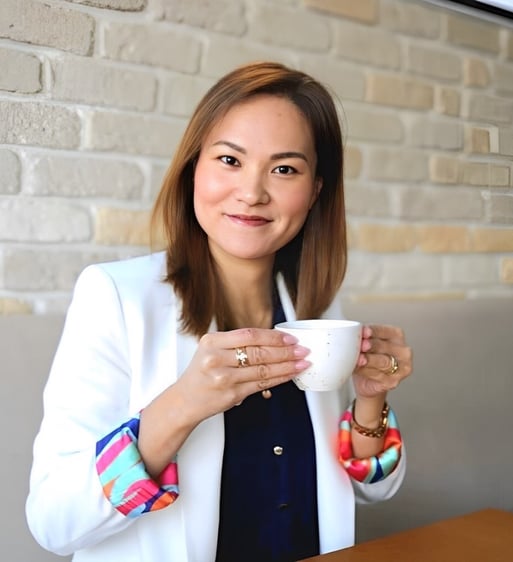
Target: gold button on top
x,y
278,450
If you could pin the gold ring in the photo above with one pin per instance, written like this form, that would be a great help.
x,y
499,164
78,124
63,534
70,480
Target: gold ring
x,y
241,356
394,366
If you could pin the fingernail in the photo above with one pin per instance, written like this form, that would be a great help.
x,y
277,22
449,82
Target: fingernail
x,y
300,351
366,345
302,365
287,338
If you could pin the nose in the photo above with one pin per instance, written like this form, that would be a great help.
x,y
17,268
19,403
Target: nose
x,y
252,188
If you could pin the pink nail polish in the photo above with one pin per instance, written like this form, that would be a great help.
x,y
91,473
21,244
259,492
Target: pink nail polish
x,y
288,339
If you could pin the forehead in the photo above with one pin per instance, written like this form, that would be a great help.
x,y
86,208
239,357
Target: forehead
x,y
268,115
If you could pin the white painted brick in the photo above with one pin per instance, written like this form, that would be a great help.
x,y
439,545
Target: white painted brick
x,y
9,172
83,177
399,91
428,132
46,269
367,201
372,125
287,27
447,101
500,208
476,73
482,107
465,270
153,44
363,271
503,79
225,16
472,32
32,220
484,174
367,45
347,82
121,5
352,161
91,81
21,72
505,141
182,92
415,271
223,54
434,63
32,123
441,203
411,18
397,165
39,23
509,45
365,11
158,172
134,134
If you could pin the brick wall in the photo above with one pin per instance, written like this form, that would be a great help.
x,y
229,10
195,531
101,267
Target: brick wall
x,y
94,95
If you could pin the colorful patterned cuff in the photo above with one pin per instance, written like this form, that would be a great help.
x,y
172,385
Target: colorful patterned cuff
x,y
123,476
372,469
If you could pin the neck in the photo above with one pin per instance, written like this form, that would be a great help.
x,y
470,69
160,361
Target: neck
x,y
248,290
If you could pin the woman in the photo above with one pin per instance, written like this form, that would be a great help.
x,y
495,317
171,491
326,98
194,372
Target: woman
x,y
172,429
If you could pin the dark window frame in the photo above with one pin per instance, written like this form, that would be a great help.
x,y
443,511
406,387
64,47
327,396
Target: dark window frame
x,y
487,7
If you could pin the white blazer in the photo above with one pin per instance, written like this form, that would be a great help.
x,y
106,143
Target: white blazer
x,y
120,347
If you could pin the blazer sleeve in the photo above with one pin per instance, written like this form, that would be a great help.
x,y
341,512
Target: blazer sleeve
x,y
366,493
86,397
384,489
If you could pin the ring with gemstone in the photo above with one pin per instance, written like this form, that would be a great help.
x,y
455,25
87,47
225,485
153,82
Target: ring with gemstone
x,y
241,356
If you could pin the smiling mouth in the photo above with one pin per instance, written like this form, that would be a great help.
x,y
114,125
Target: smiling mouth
x,y
251,220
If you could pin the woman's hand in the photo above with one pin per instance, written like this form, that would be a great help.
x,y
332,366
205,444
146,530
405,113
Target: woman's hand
x,y
385,361
217,379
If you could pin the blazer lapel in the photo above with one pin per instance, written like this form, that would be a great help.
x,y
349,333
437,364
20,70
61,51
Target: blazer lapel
x,y
199,470
332,480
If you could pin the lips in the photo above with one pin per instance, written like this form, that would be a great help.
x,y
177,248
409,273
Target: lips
x,y
249,220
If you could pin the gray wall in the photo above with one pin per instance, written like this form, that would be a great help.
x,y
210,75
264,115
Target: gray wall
x,y
455,414
27,344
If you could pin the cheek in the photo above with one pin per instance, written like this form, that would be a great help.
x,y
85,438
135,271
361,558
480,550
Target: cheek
x,y
300,204
205,190
201,197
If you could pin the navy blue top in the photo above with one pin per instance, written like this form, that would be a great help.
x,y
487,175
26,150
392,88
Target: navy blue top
x,y
268,507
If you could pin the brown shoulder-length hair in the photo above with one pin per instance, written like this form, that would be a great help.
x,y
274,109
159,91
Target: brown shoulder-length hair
x,y
314,262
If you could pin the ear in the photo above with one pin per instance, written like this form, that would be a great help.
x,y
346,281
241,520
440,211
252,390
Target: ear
x,y
317,189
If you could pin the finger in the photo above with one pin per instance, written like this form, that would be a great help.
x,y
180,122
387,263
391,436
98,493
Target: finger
x,y
378,365
266,373
385,332
387,347
271,379
262,355
245,337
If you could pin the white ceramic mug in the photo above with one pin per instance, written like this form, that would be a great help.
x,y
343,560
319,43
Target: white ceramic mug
x,y
334,348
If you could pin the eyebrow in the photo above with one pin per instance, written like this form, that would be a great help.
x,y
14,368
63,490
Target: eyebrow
x,y
277,156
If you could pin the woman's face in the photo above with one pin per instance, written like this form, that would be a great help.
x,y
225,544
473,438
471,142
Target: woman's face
x,y
254,181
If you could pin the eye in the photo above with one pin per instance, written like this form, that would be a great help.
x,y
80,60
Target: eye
x,y
284,170
229,160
